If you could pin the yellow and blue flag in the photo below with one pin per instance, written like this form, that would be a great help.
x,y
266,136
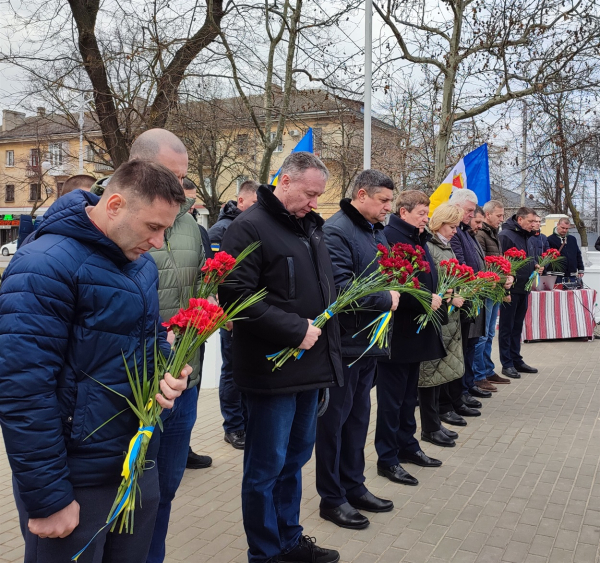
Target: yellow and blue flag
x,y
471,172
305,144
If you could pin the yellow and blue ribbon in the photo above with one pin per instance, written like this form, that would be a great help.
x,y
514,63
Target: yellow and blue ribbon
x,y
382,322
135,446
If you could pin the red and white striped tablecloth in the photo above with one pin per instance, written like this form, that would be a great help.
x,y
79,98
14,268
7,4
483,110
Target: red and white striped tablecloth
x,y
560,314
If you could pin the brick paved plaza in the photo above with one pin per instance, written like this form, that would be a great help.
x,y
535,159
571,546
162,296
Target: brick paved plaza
x,y
521,486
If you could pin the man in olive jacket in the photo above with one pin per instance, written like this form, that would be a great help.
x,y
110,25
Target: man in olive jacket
x,y
294,266
352,236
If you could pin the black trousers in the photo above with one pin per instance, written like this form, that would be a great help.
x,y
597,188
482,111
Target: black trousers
x,y
429,405
512,316
397,386
109,547
342,434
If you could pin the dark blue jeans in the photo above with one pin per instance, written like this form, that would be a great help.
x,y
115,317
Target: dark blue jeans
x,y
280,437
512,316
483,366
342,433
230,398
172,457
397,386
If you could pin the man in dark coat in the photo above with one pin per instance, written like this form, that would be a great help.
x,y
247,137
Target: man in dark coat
x,y
246,198
352,236
572,264
398,376
468,251
230,398
294,266
487,237
538,240
77,300
516,233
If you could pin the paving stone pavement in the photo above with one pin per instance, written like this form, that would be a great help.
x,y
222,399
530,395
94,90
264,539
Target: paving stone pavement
x,y
521,486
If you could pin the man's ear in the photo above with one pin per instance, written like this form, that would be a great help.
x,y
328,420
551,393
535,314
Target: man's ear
x,y
115,203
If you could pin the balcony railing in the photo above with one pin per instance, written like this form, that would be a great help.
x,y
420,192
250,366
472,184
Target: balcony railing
x,y
33,170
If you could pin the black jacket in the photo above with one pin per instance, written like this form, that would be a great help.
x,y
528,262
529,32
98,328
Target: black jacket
x,y
538,243
217,231
407,345
466,248
352,243
294,266
513,236
573,262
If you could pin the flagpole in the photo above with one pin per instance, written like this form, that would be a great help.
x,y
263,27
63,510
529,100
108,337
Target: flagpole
x,y
368,82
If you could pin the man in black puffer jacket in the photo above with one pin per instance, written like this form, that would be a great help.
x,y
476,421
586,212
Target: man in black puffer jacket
x,y
294,266
352,236
516,233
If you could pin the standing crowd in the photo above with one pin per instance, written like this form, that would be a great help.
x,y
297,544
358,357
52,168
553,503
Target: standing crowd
x,y
92,280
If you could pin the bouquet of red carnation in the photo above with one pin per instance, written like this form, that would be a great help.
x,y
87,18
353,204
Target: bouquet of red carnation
x,y
192,327
451,275
400,265
484,285
502,267
549,258
517,259
218,268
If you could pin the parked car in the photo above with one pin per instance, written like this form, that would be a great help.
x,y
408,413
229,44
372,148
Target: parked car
x,y
9,248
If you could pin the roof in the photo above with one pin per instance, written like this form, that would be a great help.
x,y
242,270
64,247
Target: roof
x,y
513,199
47,126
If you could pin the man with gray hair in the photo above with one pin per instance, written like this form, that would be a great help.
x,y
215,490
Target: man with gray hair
x,y
294,266
459,395
352,236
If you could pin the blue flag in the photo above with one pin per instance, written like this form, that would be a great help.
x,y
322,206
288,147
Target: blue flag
x,y
304,145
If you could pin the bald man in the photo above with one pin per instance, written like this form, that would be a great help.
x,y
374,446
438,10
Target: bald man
x,y
179,262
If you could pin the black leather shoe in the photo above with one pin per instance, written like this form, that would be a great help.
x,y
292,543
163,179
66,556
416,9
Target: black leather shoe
x,y
419,458
397,474
471,402
477,392
524,368
467,411
438,438
307,551
452,418
237,439
345,516
448,432
196,461
371,503
511,372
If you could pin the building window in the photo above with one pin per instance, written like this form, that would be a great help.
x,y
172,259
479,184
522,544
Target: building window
x,y
317,140
35,192
10,158
242,144
34,157
9,193
208,186
239,181
55,154
90,156
279,147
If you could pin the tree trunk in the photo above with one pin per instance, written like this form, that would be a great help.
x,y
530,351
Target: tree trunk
x,y
579,224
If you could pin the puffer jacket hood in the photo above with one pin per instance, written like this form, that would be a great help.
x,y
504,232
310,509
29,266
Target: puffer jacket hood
x,y
72,308
216,233
451,366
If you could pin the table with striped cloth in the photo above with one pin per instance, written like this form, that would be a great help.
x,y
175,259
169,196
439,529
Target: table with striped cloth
x,y
560,314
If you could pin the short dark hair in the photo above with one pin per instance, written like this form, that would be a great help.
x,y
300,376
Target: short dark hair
x,y
148,181
189,184
479,211
409,199
524,211
249,187
76,182
299,162
371,181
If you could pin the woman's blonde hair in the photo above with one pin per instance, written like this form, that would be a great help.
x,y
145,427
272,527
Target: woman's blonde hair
x,y
445,214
